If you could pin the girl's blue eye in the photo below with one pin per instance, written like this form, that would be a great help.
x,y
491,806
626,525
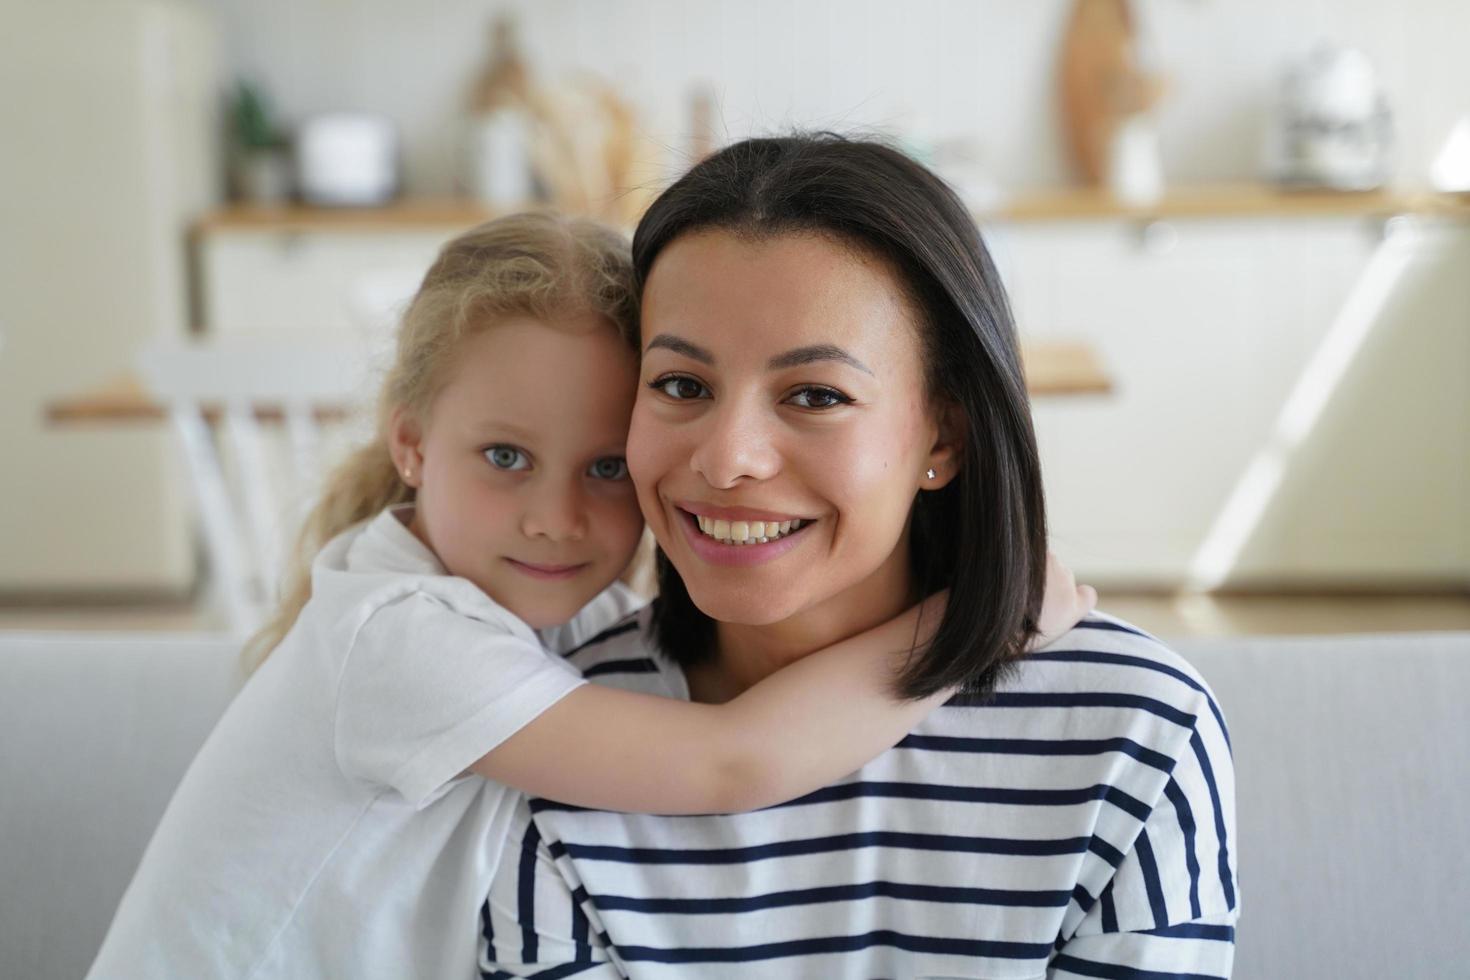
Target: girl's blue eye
x,y
609,468
507,458
812,397
679,387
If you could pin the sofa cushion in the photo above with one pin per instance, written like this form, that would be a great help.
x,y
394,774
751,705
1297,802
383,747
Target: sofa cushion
x,y
96,730
1352,762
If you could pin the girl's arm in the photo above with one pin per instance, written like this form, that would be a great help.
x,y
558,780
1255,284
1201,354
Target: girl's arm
x,y
798,730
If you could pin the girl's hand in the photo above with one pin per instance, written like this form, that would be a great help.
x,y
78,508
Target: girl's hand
x,y
1063,605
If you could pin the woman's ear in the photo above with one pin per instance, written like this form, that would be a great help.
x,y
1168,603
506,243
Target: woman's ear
x,y
948,453
405,441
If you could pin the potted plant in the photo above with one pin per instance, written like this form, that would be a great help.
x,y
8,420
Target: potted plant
x,y
259,163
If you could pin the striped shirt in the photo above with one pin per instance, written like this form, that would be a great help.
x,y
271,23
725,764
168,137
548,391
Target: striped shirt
x,y
1079,823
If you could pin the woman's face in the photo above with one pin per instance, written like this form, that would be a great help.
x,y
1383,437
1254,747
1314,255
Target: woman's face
x,y
782,397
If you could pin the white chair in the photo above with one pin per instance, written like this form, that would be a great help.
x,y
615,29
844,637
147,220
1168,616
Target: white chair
x,y
217,396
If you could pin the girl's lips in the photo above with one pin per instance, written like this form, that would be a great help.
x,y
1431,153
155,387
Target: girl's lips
x,y
715,553
546,572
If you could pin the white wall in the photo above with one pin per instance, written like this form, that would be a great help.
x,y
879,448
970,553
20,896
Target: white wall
x,y
981,69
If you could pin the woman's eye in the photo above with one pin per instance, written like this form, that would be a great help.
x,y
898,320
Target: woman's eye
x,y
818,398
507,458
609,468
679,387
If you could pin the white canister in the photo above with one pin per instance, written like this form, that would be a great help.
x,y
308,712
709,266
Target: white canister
x,y
499,159
347,159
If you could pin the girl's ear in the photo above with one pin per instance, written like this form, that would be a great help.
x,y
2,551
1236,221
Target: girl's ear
x,y
948,452
405,441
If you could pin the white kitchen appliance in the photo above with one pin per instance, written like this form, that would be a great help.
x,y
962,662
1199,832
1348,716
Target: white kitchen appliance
x,y
347,159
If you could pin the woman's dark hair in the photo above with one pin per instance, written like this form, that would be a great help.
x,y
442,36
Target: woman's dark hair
x,y
982,536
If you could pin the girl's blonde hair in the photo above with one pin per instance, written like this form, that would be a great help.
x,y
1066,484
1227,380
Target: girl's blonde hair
x,y
535,264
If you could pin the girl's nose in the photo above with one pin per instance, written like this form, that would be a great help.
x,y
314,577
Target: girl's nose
x,y
738,444
555,511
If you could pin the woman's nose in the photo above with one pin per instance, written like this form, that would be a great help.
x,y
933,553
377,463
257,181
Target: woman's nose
x,y
738,444
556,511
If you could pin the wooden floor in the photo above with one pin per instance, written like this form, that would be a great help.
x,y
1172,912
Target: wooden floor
x,y
1165,616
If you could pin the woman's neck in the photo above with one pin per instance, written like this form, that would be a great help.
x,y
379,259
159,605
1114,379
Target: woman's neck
x,y
746,655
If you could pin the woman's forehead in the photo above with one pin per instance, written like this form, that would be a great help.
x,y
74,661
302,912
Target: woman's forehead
x,y
718,287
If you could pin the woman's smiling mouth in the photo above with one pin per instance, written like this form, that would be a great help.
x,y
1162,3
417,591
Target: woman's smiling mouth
x,y
729,537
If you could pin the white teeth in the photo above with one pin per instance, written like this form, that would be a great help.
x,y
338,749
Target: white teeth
x,y
746,532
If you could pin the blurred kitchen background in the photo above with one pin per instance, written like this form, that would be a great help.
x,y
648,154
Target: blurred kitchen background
x,y
1236,234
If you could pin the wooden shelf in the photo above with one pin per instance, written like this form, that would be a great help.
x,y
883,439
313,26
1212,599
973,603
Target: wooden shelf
x,y
1060,204
1052,369
1226,201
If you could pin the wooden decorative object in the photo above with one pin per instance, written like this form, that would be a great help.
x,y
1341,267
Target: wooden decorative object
x,y
1101,82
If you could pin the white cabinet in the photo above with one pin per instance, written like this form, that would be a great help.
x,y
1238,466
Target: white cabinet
x,y
1269,425
271,280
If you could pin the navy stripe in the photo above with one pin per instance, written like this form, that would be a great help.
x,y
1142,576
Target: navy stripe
x,y
934,791
487,929
1109,909
579,895
526,895
1195,930
639,665
1181,805
1105,657
1106,851
837,944
1108,971
1080,699
834,893
1101,624
1226,883
1149,867
821,845
554,973
1038,746
1083,898
580,930
607,634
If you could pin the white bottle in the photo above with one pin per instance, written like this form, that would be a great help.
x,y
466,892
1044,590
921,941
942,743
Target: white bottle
x,y
500,158
1135,171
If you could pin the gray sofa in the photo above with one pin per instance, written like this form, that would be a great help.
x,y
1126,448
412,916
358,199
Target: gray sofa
x,y
1352,758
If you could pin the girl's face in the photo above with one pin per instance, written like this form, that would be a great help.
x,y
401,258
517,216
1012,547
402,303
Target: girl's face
x,y
522,485
782,382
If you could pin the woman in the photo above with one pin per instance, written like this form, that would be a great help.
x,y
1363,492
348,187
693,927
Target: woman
x,y
825,341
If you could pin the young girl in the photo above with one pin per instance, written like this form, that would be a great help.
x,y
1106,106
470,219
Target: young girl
x,y
329,826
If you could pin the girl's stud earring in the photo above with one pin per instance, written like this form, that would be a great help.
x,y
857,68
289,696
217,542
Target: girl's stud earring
x,y
929,474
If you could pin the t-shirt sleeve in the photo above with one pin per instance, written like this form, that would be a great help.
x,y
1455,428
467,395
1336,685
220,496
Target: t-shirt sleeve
x,y
537,920
426,691
1171,906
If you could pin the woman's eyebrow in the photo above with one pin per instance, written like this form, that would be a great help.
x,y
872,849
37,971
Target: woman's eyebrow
x,y
681,346
816,352
792,358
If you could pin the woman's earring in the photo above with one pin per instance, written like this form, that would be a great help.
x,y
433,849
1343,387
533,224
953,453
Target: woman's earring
x,y
929,474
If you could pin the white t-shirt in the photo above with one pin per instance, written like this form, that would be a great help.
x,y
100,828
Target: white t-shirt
x,y
325,829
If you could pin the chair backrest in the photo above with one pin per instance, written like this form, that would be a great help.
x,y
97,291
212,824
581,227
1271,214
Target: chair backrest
x,y
248,502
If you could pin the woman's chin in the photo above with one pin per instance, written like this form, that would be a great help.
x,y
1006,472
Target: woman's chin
x,y
726,603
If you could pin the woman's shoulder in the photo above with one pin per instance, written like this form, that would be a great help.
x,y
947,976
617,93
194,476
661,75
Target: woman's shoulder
x,y
1120,675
